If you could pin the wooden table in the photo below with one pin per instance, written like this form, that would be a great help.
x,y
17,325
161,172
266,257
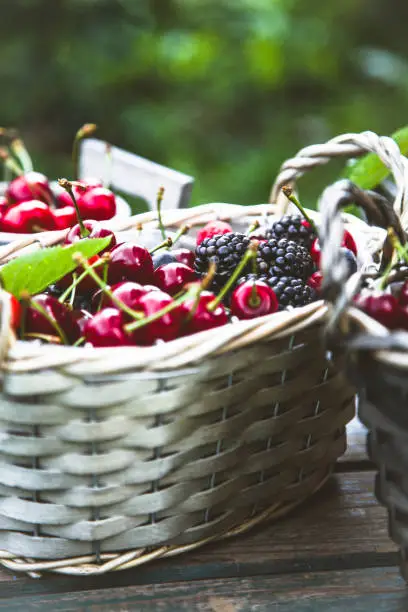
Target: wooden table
x,y
330,555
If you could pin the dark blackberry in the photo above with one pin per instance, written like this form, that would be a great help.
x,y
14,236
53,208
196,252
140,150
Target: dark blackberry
x,y
226,251
292,227
284,258
291,291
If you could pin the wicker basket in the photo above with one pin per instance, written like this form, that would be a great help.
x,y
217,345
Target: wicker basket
x,y
113,457
377,363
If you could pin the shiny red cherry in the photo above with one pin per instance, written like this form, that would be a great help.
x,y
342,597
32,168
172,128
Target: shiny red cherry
x,y
106,329
213,228
82,317
36,323
383,308
127,292
349,242
130,261
315,281
86,184
15,311
63,199
166,328
173,276
30,186
28,217
97,203
198,318
403,295
253,298
184,256
95,231
65,217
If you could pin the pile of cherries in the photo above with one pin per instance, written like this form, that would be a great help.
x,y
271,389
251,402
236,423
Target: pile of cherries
x,y
30,205
388,308
127,295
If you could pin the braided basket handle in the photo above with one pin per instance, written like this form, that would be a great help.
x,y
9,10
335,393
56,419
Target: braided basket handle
x,y
346,145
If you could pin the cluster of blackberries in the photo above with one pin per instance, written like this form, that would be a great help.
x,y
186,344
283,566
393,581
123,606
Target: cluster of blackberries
x,y
283,259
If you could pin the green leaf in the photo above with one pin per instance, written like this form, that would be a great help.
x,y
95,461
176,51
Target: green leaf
x,y
368,171
35,271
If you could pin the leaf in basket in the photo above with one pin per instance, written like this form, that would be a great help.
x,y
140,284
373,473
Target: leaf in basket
x,y
368,171
35,271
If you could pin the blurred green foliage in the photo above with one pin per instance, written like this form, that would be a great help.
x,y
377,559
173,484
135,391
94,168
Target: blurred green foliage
x,y
224,90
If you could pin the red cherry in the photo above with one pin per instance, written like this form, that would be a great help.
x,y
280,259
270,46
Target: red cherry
x,y
202,318
349,242
173,276
97,203
86,185
383,308
15,311
36,323
315,281
4,204
95,231
127,292
403,295
129,261
315,251
184,256
63,199
253,298
82,317
65,217
213,228
166,328
28,217
30,186
106,329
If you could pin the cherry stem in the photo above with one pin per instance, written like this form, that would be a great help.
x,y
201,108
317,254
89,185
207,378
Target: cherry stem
x,y
206,281
249,255
292,198
182,231
86,130
401,251
50,320
45,337
89,269
159,201
166,244
80,341
67,185
191,292
19,150
252,227
10,163
254,299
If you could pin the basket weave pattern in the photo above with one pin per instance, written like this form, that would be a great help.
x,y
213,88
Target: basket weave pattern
x,y
112,457
377,364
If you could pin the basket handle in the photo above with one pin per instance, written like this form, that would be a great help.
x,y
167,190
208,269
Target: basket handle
x,y
346,145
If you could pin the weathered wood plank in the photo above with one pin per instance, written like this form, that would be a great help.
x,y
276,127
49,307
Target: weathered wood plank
x,y
341,527
379,589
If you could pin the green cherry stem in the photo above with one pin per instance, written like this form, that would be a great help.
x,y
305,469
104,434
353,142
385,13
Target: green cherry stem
x,y
254,299
86,130
10,163
79,280
166,244
252,227
249,255
67,185
159,201
18,149
181,232
292,198
78,257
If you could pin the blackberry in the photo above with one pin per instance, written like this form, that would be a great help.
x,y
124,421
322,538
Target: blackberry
x,y
284,258
291,291
226,250
292,227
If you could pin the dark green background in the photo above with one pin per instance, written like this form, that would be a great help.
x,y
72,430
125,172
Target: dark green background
x,y
222,89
